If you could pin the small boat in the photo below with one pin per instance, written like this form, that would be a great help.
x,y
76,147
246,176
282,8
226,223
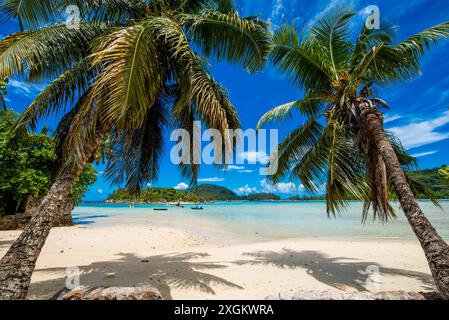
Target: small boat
x,y
197,208
160,209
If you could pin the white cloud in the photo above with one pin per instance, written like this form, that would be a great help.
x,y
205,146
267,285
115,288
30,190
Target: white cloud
x,y
25,87
213,179
420,133
254,157
278,12
390,118
280,187
239,169
181,186
232,167
423,154
100,191
246,190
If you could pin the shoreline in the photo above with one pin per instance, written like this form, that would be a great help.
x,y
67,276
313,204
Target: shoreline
x,y
221,201
185,264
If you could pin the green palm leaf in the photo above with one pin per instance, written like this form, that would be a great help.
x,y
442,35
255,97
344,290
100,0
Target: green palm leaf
x,y
298,58
331,32
238,40
31,14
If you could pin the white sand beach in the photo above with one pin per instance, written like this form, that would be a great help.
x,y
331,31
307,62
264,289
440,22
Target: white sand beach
x,y
185,264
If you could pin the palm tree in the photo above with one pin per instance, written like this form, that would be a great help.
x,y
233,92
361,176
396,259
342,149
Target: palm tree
x,y
125,73
342,145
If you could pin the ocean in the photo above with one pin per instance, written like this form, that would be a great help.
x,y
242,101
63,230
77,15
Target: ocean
x,y
266,219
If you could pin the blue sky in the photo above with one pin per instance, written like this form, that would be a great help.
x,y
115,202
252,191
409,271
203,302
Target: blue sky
x,y
419,109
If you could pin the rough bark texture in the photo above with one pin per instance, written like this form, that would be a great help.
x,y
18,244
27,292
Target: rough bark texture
x,y
64,218
17,266
435,248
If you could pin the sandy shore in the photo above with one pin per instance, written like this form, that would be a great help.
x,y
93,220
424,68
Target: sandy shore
x,y
185,265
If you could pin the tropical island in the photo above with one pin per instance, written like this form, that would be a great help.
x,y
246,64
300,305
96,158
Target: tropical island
x,y
430,179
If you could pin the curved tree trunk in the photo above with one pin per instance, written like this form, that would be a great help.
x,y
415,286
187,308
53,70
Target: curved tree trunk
x,y
17,266
435,248
64,218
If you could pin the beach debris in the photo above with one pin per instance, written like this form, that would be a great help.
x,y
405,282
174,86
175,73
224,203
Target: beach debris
x,y
358,295
110,293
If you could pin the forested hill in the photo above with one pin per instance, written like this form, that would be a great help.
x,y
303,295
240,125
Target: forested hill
x,y
204,192
431,178
433,181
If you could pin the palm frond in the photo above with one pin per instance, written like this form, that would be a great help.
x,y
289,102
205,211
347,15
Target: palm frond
x,y
131,78
295,147
305,63
60,94
229,37
111,11
51,50
136,156
420,189
415,46
31,14
310,107
332,31
211,102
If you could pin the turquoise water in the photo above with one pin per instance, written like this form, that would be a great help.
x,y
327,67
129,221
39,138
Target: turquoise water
x,y
265,219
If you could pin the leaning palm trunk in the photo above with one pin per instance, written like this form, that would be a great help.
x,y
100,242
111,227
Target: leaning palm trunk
x,y
17,266
435,248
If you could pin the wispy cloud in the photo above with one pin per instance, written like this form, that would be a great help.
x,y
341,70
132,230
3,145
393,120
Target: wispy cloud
x,y
390,118
213,179
419,133
100,191
233,167
26,88
239,169
423,154
181,186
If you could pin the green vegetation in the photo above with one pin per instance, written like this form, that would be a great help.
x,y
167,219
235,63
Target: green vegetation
x,y
155,195
3,83
444,171
214,192
27,167
204,192
261,197
433,181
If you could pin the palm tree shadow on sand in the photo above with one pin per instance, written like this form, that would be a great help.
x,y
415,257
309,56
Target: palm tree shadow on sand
x,y
338,272
163,272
